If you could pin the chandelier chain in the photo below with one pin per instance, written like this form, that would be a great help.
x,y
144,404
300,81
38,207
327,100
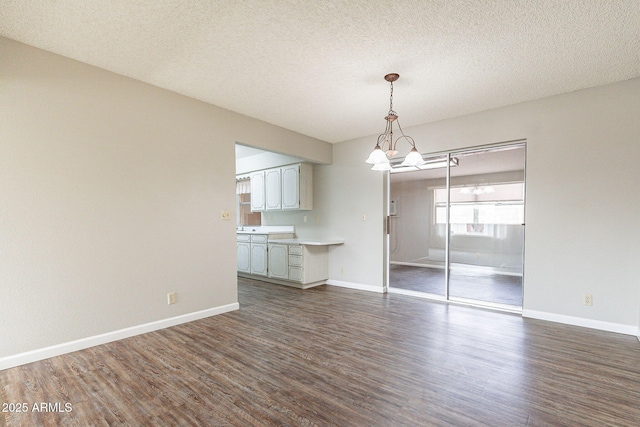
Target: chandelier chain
x,y
391,100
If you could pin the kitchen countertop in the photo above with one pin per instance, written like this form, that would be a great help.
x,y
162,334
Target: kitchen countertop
x,y
308,242
265,229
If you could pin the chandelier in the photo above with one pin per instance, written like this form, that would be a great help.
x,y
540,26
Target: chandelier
x,y
385,147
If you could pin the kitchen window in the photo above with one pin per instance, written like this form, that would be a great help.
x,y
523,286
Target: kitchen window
x,y
243,204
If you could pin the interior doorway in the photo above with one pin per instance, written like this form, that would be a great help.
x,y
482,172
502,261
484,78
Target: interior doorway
x,y
456,233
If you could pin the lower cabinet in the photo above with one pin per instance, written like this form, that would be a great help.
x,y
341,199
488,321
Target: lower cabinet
x,y
278,261
298,265
295,263
295,274
308,263
244,256
259,260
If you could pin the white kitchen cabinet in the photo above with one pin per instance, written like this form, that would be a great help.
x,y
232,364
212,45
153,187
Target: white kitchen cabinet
x,y
273,189
259,260
278,261
277,257
297,186
253,254
285,188
244,253
295,274
258,201
295,263
308,263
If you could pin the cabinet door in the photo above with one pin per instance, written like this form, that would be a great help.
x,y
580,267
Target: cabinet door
x,y
305,183
291,187
273,187
295,274
257,192
259,259
244,257
278,261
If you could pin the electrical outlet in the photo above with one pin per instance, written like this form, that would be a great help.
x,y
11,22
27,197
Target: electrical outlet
x,y
171,298
304,218
342,270
587,299
363,217
225,214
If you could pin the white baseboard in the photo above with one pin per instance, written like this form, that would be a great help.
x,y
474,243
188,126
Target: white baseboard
x,y
580,321
358,286
68,347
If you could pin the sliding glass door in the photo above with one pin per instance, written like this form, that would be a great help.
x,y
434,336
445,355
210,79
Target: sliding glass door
x,y
417,241
486,219
457,233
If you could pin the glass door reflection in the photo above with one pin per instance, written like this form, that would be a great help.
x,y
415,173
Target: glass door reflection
x,y
486,216
417,241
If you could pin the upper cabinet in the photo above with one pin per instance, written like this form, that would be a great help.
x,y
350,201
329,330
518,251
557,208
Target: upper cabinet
x,y
285,188
273,185
258,202
297,186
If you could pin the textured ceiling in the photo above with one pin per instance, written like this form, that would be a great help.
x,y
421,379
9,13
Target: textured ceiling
x,y
317,67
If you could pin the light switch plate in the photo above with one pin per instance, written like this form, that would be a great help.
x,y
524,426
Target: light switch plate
x,y
171,298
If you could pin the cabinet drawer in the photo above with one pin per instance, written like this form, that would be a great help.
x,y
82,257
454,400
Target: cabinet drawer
x,y
258,238
295,274
295,260
295,249
243,237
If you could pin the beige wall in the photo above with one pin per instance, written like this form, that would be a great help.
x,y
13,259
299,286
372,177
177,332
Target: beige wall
x,y
583,153
111,193
355,191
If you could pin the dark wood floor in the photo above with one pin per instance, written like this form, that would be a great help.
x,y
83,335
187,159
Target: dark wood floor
x,y
330,356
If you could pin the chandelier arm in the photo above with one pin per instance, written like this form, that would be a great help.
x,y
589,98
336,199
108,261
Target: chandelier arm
x,y
392,143
408,138
388,128
383,136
